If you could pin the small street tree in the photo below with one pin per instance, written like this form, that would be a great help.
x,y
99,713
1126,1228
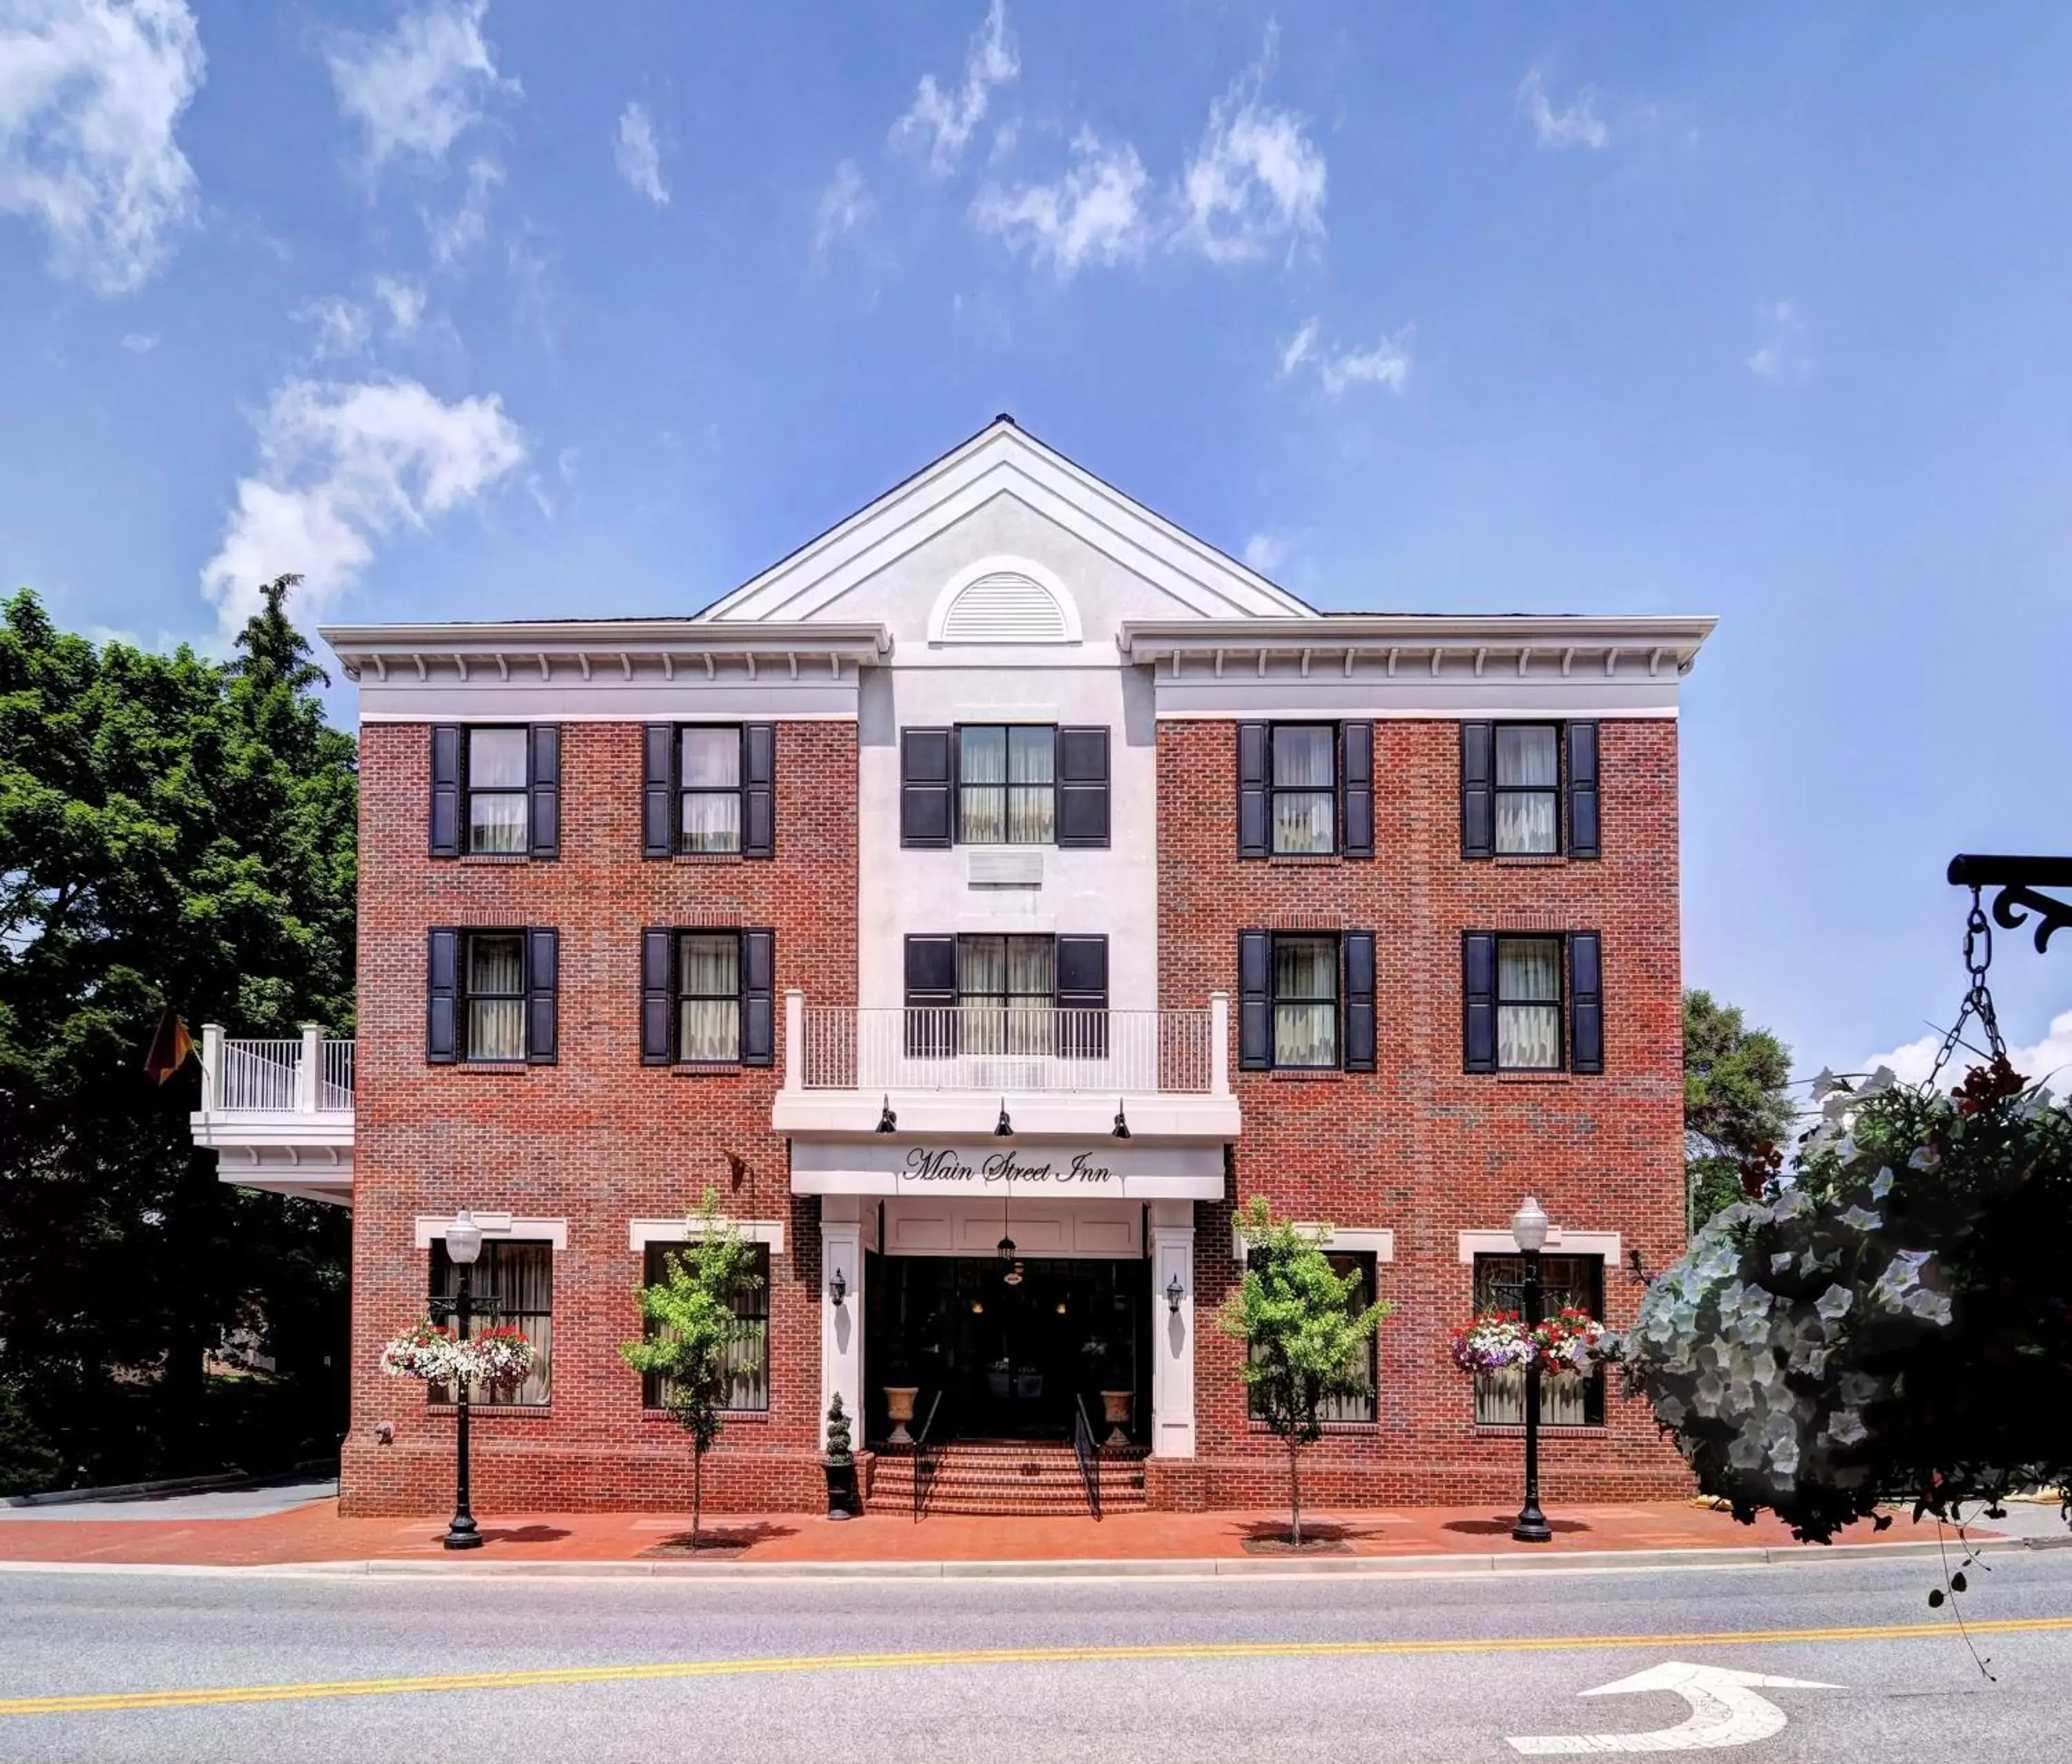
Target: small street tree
x,y
1305,1343
693,1324
1735,1109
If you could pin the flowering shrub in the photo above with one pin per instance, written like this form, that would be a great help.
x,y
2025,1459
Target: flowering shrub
x,y
1498,1342
1888,1323
498,1355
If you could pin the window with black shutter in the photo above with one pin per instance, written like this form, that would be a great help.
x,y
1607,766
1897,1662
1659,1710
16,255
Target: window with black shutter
x,y
927,786
498,783
1359,960
931,995
1356,744
1584,837
707,997
1082,996
545,790
1289,990
708,789
446,765
1532,1002
1083,787
1529,790
493,996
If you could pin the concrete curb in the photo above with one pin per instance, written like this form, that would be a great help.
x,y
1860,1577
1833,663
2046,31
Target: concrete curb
x,y
1196,1567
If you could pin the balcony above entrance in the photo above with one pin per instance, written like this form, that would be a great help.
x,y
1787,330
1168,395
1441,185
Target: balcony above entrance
x,y
279,1114
953,1071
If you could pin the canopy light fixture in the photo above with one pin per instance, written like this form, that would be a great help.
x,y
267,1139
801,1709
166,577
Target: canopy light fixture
x,y
887,1121
1003,1128
1120,1130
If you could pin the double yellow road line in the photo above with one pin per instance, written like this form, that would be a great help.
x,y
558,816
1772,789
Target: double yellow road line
x,y
221,1696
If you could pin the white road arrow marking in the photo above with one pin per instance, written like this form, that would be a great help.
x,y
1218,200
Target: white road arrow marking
x,y
1724,1711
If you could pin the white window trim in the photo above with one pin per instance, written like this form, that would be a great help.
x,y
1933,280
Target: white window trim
x,y
1559,1243
1381,1241
432,1228
1046,579
641,1232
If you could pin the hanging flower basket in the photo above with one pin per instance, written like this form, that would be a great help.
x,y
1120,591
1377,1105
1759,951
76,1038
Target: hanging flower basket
x,y
1571,1341
497,1356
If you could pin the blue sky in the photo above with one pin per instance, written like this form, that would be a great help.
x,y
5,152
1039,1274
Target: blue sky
x,y
518,309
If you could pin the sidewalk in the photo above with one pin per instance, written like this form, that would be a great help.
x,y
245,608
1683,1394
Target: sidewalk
x,y
1440,1538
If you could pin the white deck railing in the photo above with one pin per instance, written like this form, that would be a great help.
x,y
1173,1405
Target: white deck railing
x,y
311,1076
982,1048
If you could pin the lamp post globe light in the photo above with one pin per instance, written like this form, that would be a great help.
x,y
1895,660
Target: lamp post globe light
x,y
1528,1231
463,1245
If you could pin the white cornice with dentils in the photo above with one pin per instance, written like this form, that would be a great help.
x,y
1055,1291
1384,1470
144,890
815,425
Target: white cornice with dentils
x,y
606,670
1418,665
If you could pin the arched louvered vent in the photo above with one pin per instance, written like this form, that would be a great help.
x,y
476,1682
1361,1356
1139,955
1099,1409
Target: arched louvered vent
x,y
1005,606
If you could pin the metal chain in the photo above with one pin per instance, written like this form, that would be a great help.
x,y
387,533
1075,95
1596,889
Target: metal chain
x,y
1978,1000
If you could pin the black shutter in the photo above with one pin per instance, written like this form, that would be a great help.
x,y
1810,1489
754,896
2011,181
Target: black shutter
x,y
1082,986
758,773
1479,1000
1477,790
658,789
543,990
658,1003
1360,1000
1252,790
446,790
442,997
1083,811
1586,1002
1255,995
1583,840
758,998
931,987
545,776
1357,742
925,787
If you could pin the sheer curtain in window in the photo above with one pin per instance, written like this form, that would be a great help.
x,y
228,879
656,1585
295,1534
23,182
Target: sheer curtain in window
x,y
982,780
497,803
1528,990
981,993
512,1284
1305,1016
1528,776
710,775
709,981
496,998
1303,799
1566,1399
1032,774
1031,989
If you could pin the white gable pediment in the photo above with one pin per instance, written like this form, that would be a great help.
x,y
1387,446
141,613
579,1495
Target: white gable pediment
x,y
989,545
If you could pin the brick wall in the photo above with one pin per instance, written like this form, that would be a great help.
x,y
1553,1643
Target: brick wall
x,y
1418,1146
597,1139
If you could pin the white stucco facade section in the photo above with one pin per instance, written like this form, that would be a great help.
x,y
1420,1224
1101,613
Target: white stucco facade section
x,y
1111,892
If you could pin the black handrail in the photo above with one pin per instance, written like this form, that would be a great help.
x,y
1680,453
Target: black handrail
x,y
1088,1452
925,1456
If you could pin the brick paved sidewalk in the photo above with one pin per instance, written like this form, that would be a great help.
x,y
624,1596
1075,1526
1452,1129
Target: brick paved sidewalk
x,y
315,1533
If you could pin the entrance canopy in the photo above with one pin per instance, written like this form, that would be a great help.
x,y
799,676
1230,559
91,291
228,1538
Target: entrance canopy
x,y
1066,1169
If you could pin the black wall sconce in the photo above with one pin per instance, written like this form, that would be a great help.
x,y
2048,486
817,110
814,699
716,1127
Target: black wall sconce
x,y
1174,1293
837,1287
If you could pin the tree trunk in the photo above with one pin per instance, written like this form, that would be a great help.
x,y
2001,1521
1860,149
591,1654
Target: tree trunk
x,y
1294,1494
697,1491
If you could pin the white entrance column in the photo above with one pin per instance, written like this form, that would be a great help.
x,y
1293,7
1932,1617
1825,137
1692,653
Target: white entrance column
x,y
844,1221
1172,1332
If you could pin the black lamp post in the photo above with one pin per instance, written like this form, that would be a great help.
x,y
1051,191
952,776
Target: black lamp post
x,y
463,1244
1528,1231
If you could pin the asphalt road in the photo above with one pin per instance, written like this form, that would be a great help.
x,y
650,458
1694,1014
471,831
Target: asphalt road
x,y
1300,1666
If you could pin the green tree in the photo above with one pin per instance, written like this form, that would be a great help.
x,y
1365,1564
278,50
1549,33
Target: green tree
x,y
1735,1107
694,1324
1306,1343
173,831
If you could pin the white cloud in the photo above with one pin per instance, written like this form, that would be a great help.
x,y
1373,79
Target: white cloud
x,y
459,235
2047,1062
416,89
90,92
1579,126
1782,354
845,205
405,298
1387,363
342,467
1092,214
637,155
943,122
339,328
139,343
1257,181
1265,553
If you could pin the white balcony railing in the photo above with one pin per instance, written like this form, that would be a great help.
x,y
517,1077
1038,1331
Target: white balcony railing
x,y
978,1048
310,1076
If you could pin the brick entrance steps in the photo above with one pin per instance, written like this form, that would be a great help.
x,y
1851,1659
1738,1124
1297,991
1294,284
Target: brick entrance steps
x,y
1010,1478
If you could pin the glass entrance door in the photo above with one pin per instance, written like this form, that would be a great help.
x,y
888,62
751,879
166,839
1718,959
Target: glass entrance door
x,y
1008,1357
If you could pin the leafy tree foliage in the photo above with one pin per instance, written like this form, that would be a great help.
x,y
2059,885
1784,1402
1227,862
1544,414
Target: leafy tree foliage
x,y
173,831
1306,1344
1735,1108
692,1309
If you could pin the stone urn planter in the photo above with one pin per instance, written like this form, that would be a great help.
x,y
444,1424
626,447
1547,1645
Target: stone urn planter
x,y
899,1409
1115,1411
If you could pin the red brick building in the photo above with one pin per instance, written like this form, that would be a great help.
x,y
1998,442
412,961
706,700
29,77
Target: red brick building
x,y
981,904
